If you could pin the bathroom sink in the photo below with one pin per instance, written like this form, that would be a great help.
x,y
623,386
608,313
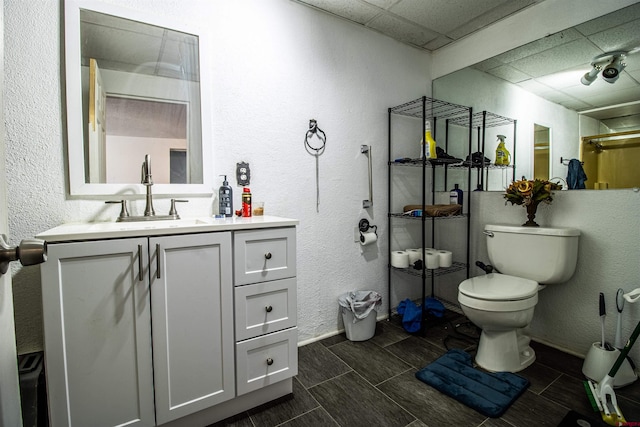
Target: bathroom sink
x,y
148,225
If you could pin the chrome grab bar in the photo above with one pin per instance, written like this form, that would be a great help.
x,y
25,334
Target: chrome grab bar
x,y
369,202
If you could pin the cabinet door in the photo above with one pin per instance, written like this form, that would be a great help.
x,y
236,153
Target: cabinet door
x,y
262,255
192,312
96,316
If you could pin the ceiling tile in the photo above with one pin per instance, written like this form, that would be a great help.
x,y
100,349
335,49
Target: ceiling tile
x,y
402,30
384,4
437,43
509,74
356,11
535,87
489,17
547,62
611,20
443,16
623,37
541,45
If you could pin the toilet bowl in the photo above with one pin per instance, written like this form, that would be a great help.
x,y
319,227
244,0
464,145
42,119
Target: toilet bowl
x,y
501,306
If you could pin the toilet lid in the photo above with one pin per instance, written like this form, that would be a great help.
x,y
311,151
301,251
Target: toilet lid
x,y
498,287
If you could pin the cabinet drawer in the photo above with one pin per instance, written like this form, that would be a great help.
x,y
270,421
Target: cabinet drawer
x,y
262,255
265,360
266,307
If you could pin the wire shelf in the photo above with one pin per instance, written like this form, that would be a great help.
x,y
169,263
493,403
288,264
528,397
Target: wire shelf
x,y
433,108
455,266
490,120
405,216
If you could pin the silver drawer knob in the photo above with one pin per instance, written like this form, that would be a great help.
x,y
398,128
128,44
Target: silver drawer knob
x,y
267,255
268,309
269,361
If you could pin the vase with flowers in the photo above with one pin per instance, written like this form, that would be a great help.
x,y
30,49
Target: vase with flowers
x,y
530,193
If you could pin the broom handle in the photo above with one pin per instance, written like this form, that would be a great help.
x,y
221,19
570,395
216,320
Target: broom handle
x,y
625,351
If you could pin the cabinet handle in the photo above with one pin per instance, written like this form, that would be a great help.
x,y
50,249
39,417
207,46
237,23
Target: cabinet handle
x,y
140,263
157,260
268,309
267,255
269,361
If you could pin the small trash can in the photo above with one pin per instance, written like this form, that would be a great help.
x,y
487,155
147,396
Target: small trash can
x,y
359,314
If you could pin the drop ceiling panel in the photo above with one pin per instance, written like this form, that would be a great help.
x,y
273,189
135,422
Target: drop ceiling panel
x,y
356,11
553,60
624,37
403,31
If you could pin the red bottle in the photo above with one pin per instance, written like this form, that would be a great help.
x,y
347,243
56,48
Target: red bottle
x,y
246,202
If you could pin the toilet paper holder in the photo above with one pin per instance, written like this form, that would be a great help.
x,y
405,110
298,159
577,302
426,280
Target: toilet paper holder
x,y
364,227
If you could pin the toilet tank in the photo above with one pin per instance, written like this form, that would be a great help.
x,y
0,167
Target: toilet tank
x,y
546,255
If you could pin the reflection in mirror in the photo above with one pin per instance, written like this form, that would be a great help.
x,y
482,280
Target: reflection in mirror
x,y
611,160
541,146
134,88
539,82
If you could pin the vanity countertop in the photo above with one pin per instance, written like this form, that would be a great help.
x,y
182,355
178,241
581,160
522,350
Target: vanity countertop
x,y
110,230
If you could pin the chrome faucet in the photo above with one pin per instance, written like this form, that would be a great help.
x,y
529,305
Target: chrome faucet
x,y
147,181
149,212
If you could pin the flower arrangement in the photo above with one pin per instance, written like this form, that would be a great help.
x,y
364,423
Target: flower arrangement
x,y
527,192
530,193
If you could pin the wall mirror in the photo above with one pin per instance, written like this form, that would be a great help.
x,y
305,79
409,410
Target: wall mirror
x,y
134,87
540,83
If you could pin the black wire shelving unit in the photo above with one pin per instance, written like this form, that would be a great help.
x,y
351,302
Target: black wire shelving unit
x,y
426,108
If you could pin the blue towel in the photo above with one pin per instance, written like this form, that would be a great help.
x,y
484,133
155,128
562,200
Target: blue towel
x,y
491,394
576,176
411,313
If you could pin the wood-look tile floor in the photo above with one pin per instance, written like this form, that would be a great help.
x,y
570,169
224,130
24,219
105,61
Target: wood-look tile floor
x,y
372,383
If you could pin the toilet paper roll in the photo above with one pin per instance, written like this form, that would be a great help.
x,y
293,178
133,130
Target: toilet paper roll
x,y
431,259
368,238
414,255
400,259
445,258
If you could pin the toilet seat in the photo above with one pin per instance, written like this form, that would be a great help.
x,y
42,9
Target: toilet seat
x,y
499,287
498,292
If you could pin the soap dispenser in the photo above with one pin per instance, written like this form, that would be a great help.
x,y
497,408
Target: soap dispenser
x,y
225,198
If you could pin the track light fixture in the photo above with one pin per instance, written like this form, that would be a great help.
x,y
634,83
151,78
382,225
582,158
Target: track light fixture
x,y
611,64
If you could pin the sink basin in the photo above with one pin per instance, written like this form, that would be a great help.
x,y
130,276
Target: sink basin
x,y
148,225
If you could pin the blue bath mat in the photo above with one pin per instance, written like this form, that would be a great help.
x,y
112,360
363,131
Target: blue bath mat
x,y
491,394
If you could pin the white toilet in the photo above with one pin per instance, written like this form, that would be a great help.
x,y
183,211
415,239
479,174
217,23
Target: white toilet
x,y
501,304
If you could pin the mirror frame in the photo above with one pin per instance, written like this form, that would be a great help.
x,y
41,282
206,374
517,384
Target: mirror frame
x,y
75,133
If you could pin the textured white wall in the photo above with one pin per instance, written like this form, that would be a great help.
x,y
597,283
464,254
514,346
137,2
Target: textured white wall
x,y
277,65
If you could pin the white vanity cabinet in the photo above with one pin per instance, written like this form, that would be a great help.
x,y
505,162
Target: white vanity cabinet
x,y
130,322
177,324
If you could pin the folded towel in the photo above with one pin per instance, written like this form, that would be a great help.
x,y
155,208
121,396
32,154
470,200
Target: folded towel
x,y
491,394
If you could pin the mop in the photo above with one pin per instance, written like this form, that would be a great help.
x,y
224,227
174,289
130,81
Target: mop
x,y
601,395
